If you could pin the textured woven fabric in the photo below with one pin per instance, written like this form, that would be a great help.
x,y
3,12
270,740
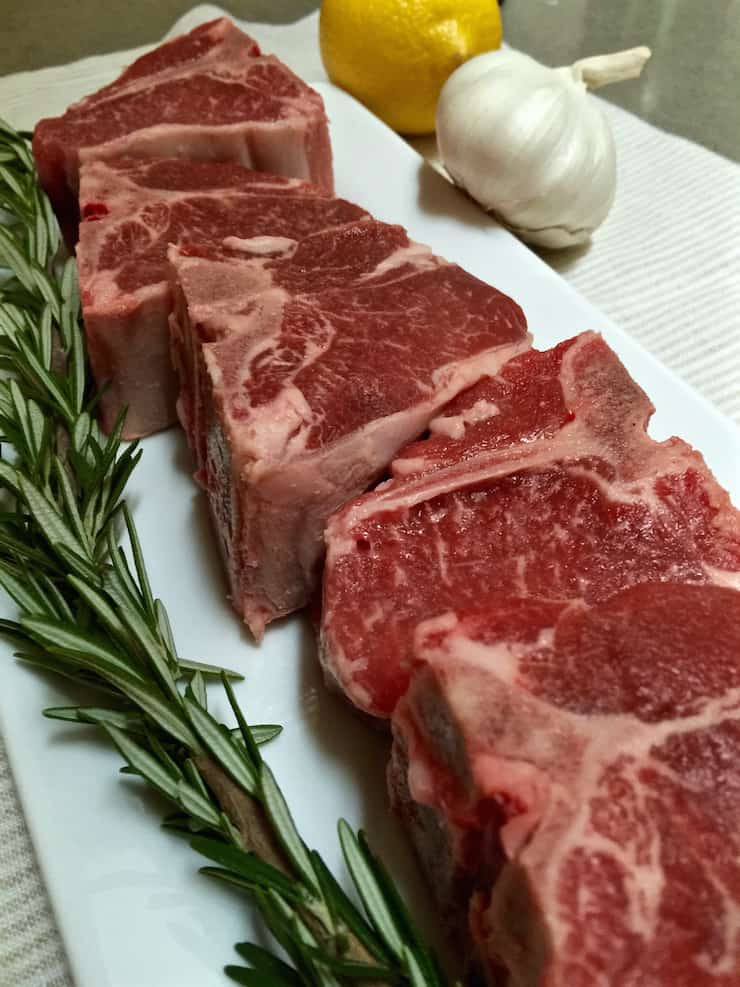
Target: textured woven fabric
x,y
31,952
663,267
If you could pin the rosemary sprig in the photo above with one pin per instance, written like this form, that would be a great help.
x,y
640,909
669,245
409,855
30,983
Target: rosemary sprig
x,y
87,612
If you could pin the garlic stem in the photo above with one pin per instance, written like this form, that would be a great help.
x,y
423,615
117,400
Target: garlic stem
x,y
601,70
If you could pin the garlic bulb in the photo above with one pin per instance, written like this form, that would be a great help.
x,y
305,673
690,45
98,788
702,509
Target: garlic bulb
x,y
530,145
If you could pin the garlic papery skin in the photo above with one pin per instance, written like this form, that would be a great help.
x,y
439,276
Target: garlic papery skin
x,y
530,144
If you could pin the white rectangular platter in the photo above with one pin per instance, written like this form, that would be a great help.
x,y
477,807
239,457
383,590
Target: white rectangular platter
x,y
132,909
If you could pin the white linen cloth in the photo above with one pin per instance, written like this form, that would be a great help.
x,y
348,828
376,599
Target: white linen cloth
x,y
664,267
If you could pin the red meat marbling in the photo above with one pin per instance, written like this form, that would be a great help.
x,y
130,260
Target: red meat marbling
x,y
316,360
539,482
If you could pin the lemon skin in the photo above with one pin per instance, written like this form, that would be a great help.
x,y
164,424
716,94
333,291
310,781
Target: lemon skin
x,y
395,55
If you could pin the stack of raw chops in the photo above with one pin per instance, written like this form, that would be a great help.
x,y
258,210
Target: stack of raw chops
x,y
542,598
209,98
308,342
546,602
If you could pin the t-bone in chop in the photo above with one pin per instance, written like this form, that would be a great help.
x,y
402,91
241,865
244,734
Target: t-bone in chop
x,y
541,482
579,764
209,94
131,209
318,360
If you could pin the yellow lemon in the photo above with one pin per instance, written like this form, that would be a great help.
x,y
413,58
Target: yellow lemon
x,y
395,55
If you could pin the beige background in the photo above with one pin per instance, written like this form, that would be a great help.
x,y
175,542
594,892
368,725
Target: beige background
x,y
692,87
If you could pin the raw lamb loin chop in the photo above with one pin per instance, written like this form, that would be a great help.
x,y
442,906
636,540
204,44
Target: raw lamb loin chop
x,y
209,94
541,482
316,361
569,772
131,210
